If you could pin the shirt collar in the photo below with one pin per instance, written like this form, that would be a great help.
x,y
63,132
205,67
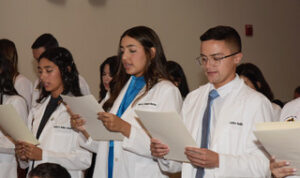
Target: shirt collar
x,y
227,88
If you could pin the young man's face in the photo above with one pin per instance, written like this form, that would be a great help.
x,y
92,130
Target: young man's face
x,y
221,72
37,52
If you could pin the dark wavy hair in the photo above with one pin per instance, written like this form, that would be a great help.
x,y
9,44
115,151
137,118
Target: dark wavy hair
x,y
253,73
69,74
154,69
9,51
113,63
49,170
177,74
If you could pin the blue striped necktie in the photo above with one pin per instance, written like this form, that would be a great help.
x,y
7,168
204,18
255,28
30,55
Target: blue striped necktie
x,y
213,94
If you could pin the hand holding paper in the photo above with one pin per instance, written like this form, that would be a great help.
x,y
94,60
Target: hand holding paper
x,y
114,124
202,157
278,138
158,149
87,109
281,168
169,129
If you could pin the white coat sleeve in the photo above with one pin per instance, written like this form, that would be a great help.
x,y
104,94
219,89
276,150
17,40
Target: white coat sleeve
x,y
138,141
252,163
24,88
77,159
84,87
6,146
21,107
169,165
35,93
90,144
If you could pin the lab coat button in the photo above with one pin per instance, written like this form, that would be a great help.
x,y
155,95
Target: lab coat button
x,y
116,159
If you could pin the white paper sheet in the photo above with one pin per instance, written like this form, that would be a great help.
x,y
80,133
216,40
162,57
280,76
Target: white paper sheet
x,y
168,127
280,139
14,126
88,107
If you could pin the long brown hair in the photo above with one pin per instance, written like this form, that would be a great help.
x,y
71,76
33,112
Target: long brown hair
x,y
154,70
9,51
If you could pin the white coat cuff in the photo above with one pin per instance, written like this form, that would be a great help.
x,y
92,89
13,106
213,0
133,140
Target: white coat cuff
x,y
129,142
45,155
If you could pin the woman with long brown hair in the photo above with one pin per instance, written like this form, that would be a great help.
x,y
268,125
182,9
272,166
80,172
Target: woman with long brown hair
x,y
140,83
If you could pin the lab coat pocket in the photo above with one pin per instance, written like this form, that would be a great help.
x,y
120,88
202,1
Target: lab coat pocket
x,y
233,137
62,140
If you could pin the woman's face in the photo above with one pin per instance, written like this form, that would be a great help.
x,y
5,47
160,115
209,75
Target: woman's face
x,y
134,57
248,82
106,77
50,77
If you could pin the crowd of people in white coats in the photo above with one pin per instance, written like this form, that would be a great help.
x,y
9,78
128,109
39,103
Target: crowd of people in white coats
x,y
220,115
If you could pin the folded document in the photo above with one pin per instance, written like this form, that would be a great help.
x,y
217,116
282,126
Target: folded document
x,y
14,126
88,107
280,139
168,127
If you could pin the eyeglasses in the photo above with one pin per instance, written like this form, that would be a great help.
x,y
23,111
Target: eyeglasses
x,y
203,60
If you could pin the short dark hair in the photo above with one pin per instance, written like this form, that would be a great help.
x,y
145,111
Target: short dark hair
x,y
49,170
46,40
226,33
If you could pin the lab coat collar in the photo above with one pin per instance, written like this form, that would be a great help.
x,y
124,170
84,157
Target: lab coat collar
x,y
227,88
38,112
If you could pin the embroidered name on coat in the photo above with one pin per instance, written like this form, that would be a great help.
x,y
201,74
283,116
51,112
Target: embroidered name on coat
x,y
236,123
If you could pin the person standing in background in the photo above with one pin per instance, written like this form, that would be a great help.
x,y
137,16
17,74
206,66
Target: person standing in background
x,y
41,44
289,113
22,84
255,79
9,95
177,74
107,70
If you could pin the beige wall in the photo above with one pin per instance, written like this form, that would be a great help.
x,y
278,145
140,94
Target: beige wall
x,y
90,29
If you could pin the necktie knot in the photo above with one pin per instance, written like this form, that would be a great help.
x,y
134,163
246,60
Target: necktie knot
x,y
213,94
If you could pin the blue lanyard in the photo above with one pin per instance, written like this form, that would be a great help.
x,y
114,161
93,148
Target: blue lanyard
x,y
135,86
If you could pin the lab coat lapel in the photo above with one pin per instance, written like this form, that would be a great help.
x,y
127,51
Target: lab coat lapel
x,y
117,103
119,99
201,105
227,113
53,116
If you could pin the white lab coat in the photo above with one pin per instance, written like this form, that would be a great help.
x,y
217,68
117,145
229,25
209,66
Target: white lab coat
x,y
84,88
24,88
291,111
132,156
232,138
59,142
276,112
8,163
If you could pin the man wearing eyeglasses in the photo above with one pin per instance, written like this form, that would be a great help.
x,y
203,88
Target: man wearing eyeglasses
x,y
221,116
